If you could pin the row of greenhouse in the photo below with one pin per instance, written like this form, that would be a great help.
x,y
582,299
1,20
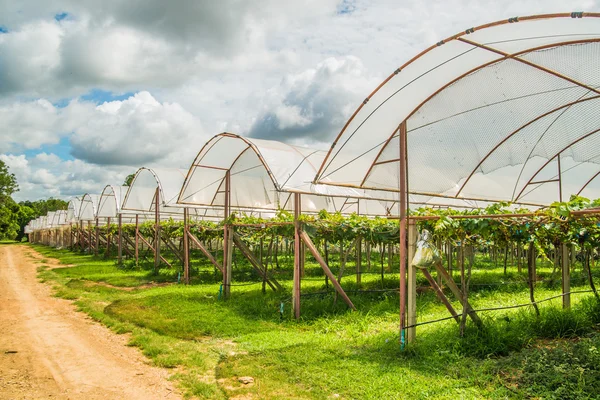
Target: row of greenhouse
x,y
503,112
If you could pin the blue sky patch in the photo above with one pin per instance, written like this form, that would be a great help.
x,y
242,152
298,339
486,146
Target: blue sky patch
x,y
61,16
61,149
100,96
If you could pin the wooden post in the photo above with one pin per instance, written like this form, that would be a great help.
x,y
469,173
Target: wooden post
x,y
358,261
97,239
108,238
137,239
403,208
90,246
297,258
157,230
186,247
120,240
412,283
227,240
566,277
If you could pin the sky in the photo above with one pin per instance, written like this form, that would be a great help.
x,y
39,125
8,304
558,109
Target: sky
x,y
92,90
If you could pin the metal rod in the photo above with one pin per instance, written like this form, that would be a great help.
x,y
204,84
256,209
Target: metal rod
x,y
186,247
137,240
403,249
120,240
157,230
297,248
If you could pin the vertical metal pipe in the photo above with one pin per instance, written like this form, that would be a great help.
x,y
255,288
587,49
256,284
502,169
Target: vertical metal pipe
x,y
90,246
227,239
186,247
403,208
137,238
120,240
412,283
560,193
108,238
97,239
297,257
156,230
566,277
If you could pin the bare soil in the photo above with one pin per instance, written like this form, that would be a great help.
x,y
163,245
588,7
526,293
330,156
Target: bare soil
x,y
48,350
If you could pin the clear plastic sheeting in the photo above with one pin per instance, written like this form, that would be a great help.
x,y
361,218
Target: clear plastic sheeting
x,y
141,195
89,205
111,200
73,208
264,174
508,111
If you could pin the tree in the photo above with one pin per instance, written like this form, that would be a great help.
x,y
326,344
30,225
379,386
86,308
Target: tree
x,y
9,223
128,180
8,181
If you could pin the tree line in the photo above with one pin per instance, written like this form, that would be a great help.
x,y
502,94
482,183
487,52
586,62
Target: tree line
x,y
14,216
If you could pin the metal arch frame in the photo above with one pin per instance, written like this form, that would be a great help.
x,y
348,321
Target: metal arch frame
x,y
208,145
158,185
458,36
530,181
106,195
505,56
498,145
588,182
91,201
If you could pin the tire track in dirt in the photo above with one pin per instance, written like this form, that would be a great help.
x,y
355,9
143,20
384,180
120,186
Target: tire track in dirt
x,y
48,350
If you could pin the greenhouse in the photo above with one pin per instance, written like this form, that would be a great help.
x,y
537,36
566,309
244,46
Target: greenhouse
x,y
529,138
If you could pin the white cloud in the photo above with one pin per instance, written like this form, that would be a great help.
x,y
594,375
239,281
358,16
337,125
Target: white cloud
x,y
314,104
137,131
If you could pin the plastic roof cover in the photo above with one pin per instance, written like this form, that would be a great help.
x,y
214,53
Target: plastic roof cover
x,y
263,176
73,209
491,113
141,194
111,199
89,204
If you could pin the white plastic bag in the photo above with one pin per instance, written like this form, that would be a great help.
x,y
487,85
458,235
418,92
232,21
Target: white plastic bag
x,y
426,255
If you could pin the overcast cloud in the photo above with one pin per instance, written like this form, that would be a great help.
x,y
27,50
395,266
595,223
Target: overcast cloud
x,y
172,74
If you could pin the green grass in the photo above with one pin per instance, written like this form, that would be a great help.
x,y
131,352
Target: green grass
x,y
333,352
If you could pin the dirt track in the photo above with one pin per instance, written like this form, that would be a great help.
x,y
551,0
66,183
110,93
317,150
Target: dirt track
x,y
48,350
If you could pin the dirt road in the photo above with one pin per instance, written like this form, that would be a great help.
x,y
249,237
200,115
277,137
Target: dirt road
x,y
48,350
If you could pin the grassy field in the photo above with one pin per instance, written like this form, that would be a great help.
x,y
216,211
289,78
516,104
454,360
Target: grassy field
x,y
333,352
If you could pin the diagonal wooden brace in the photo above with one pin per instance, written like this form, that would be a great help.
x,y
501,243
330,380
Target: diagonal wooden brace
x,y
440,294
206,252
255,262
458,293
152,248
313,250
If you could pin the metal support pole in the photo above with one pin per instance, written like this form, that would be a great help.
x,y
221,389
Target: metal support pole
x,y
186,247
227,240
358,261
108,238
412,283
97,239
297,258
157,230
566,277
137,238
90,246
120,240
403,250
560,194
